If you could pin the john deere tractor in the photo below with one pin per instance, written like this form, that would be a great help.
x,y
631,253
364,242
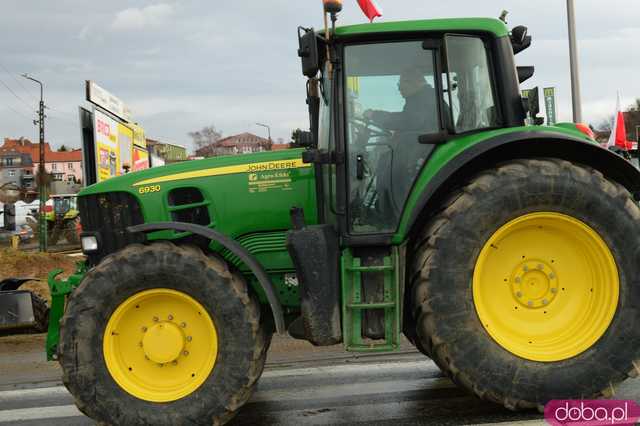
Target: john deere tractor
x,y
418,202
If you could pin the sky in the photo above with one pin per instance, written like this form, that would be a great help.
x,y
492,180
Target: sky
x,y
184,64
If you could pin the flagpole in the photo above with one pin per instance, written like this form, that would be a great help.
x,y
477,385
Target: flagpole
x,y
573,58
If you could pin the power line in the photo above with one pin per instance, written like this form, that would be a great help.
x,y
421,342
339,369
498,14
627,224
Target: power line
x,y
15,94
18,112
28,92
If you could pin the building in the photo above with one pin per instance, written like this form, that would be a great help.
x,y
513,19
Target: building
x,y
280,146
63,166
16,167
169,152
244,143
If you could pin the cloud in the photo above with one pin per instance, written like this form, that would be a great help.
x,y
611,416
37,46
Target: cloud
x,y
136,18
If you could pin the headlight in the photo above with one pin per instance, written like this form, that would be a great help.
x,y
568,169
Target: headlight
x,y
89,243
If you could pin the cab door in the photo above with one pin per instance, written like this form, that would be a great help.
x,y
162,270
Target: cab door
x,y
393,115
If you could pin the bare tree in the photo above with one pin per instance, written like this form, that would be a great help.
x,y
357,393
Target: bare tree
x,y
205,140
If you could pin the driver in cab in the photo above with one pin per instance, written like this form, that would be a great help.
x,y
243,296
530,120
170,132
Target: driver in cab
x,y
419,108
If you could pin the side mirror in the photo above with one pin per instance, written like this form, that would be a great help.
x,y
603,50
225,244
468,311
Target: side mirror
x,y
520,40
308,51
519,34
301,138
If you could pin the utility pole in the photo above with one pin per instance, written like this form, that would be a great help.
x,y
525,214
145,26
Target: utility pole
x,y
573,57
42,222
268,129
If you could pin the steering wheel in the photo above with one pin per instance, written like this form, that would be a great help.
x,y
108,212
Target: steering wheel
x,y
369,127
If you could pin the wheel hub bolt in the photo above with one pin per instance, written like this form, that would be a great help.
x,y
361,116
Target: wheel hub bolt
x,y
554,290
519,294
170,317
540,266
518,279
189,338
144,329
530,303
183,325
175,363
185,353
545,301
552,275
155,319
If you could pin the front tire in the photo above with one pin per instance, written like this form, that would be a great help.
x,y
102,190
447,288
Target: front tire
x,y
162,335
525,287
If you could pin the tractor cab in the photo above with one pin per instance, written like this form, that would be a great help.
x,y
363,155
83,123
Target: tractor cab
x,y
375,123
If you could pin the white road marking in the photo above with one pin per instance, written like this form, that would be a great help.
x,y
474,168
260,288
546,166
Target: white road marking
x,y
354,369
38,413
382,383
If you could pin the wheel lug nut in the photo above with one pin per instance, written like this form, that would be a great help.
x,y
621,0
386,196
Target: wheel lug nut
x,y
144,329
175,363
155,319
518,279
519,294
189,338
170,317
185,353
554,290
530,303
540,266
545,301
183,325
552,275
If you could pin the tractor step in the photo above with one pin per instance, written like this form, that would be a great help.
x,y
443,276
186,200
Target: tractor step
x,y
354,307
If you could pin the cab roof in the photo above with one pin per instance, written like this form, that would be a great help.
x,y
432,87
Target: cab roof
x,y
488,25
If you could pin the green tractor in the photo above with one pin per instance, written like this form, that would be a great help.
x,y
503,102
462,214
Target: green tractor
x,y
418,203
63,219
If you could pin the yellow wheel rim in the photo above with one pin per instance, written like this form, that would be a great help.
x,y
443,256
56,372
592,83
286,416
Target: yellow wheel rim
x,y
546,286
160,345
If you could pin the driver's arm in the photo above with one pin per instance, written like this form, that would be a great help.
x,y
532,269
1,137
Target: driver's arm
x,y
404,120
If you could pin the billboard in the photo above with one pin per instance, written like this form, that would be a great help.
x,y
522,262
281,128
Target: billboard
x,y
550,104
119,148
105,100
113,144
107,149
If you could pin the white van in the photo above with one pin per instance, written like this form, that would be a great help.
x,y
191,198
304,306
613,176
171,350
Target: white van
x,y
22,211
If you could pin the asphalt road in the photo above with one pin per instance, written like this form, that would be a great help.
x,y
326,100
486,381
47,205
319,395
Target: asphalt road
x,y
312,386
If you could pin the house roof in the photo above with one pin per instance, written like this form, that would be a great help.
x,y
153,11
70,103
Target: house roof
x,y
27,147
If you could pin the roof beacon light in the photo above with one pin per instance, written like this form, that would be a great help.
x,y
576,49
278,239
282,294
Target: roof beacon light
x,y
332,6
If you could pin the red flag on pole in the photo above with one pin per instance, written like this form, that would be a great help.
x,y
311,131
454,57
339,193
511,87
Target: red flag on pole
x,y
370,9
618,130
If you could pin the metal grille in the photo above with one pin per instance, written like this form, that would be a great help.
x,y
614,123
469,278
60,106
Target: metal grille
x,y
109,215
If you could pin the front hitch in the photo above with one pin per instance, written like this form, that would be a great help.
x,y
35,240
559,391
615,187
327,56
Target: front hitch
x,y
60,289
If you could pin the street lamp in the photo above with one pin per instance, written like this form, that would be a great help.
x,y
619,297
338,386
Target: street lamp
x,y
42,223
268,129
573,58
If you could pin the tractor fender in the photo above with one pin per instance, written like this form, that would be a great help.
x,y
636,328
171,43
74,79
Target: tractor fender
x,y
235,248
521,144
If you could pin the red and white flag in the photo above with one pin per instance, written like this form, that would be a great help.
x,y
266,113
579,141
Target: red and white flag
x,y
618,130
370,8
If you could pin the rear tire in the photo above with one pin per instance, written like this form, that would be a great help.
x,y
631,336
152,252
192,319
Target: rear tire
x,y
446,285
241,339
